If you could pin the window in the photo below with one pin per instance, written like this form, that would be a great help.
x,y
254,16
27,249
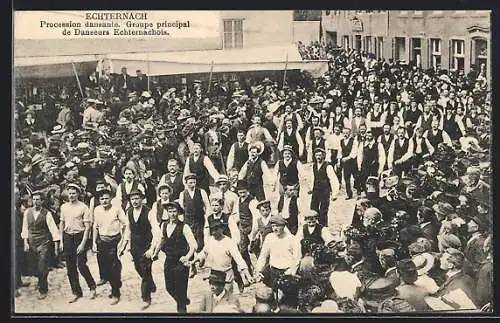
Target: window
x,y
327,12
416,53
345,43
458,51
379,49
368,44
233,33
357,42
435,52
399,48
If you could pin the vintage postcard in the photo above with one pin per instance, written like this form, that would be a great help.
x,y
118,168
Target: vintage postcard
x,y
280,162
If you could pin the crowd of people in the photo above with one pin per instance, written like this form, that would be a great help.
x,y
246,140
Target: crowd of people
x,y
192,170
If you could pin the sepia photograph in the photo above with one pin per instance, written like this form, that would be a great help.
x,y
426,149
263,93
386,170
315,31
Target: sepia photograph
x,y
261,161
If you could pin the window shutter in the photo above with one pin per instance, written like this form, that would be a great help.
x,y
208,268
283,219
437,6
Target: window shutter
x,y
450,54
394,48
429,53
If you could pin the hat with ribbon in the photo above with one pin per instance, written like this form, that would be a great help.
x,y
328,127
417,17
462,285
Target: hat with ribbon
x,y
242,185
174,204
424,262
58,129
263,203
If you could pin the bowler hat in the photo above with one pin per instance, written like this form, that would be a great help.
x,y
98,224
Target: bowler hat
x,y
242,185
217,277
175,205
288,148
378,290
135,192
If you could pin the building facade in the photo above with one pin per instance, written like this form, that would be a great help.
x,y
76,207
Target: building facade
x,y
449,39
255,28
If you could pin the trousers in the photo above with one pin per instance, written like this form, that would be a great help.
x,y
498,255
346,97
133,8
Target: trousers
x,y
107,246
176,281
76,263
320,202
143,265
42,255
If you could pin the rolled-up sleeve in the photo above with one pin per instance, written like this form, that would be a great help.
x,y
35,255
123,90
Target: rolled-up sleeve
x,y
54,231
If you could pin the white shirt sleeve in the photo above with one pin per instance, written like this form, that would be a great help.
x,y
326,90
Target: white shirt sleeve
x,y
54,231
230,158
334,181
210,167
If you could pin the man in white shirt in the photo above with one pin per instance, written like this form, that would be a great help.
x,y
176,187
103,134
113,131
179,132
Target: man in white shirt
x,y
110,223
324,186
38,231
229,198
280,254
219,253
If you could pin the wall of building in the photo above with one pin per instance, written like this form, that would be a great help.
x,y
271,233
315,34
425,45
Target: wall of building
x,y
262,27
305,31
409,24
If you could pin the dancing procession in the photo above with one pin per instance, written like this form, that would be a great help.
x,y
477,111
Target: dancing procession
x,y
363,190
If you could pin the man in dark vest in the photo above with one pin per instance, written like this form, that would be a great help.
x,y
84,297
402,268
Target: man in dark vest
x,y
247,211
290,136
178,243
386,139
370,159
325,186
255,170
144,227
158,207
38,232
287,170
436,135
313,231
130,183
238,154
288,207
419,147
450,124
173,178
194,201
347,159
398,153
202,167
318,141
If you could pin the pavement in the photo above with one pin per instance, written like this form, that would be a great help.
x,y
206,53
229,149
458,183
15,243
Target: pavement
x,y
339,215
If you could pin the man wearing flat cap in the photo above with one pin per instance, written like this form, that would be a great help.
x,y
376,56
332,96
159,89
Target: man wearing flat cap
x,y
124,188
217,296
325,186
110,224
280,254
173,178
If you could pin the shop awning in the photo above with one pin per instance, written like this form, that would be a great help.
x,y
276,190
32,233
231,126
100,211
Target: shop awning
x,y
173,63
54,66
229,60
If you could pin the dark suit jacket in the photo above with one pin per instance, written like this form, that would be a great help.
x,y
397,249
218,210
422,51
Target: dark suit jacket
x,y
460,281
474,256
141,84
484,286
119,80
